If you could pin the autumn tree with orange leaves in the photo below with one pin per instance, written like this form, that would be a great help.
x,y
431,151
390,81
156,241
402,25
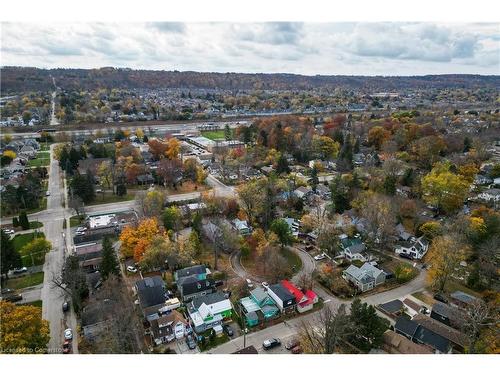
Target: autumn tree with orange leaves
x,y
136,240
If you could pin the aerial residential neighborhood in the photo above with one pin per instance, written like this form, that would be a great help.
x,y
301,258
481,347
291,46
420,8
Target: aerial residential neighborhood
x,y
349,208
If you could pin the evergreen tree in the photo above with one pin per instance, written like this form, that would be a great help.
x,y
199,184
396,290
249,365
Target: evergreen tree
x,y
314,177
390,185
121,189
408,177
339,195
369,327
467,144
109,264
74,157
23,221
83,186
227,132
15,222
10,258
282,165
63,159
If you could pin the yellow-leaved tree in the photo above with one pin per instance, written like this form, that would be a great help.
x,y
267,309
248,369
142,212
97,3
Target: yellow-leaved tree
x,y
136,240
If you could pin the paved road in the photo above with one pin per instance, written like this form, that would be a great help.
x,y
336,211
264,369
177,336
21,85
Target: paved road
x,y
220,189
32,294
53,228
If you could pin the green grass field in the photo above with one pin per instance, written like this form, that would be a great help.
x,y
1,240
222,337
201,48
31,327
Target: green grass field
x,y
42,160
19,241
110,198
216,134
25,281
76,220
35,224
34,303
293,259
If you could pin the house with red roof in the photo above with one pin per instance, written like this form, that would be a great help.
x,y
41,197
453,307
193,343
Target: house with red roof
x,y
305,301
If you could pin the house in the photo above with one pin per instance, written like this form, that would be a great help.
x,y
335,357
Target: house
x,y
482,180
267,170
28,152
89,255
415,248
397,344
168,327
461,299
199,271
91,165
446,314
422,335
152,296
457,339
352,248
402,233
190,287
305,301
302,192
365,278
242,227
392,308
490,195
282,297
323,191
258,306
145,179
293,224
412,308
209,311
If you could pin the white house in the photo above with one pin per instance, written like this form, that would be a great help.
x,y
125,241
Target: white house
x,y
365,278
490,195
415,248
242,227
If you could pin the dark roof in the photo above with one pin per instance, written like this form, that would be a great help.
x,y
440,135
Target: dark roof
x,y
192,285
445,331
406,326
463,297
432,339
194,270
282,293
392,307
209,299
151,291
248,350
447,311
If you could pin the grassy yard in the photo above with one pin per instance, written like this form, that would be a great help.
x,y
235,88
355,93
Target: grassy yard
x,y
216,134
453,286
42,160
293,260
109,197
44,147
34,303
212,343
76,220
19,241
424,297
25,281
35,225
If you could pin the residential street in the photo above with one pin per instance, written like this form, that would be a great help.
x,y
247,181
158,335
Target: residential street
x,y
53,298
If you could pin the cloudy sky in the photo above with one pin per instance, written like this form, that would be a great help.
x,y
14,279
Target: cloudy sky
x,y
303,48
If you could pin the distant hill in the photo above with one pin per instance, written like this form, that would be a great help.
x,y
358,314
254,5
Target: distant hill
x,y
23,79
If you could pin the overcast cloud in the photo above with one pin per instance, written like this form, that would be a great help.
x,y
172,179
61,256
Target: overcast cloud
x,y
282,47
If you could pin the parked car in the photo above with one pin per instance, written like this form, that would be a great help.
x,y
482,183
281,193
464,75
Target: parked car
x,y
66,347
190,342
131,269
291,344
68,334
440,298
320,256
406,256
8,231
424,310
249,283
13,297
47,193
81,229
65,306
229,331
265,284
20,270
297,349
271,343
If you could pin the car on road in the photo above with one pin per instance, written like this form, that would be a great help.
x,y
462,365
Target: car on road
x,y
320,256
66,347
406,256
12,297
65,306
265,284
249,283
131,269
229,331
9,231
47,193
20,270
81,229
68,334
271,343
190,342
440,298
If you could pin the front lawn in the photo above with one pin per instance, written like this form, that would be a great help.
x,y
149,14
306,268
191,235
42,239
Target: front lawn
x,y
212,341
216,134
109,197
25,281
42,160
22,240
34,303
293,260
76,220
35,224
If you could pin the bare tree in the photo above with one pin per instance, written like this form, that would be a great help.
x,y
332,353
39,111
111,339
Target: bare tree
x,y
479,316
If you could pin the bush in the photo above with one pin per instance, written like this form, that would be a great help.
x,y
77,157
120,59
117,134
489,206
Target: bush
x,y
404,273
219,275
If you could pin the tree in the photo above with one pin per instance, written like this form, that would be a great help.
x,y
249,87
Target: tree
x,y
157,148
170,171
23,221
377,136
339,195
22,329
378,210
444,189
227,132
135,240
173,148
105,173
172,218
329,333
10,258
252,199
390,185
121,189
15,222
369,327
36,246
7,157
480,317
282,230
445,254
72,282
282,166
150,202
160,252
431,229
325,147
83,186
314,177
109,263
